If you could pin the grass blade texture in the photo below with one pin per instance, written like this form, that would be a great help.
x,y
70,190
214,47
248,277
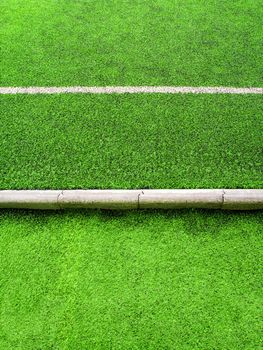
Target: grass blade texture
x,y
130,141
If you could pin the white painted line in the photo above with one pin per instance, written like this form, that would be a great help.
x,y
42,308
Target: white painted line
x,y
248,199
130,90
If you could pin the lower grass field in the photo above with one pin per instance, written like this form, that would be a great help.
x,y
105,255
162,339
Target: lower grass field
x,y
185,279
130,280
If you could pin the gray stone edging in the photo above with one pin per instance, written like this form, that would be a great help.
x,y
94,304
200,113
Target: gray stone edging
x,y
231,199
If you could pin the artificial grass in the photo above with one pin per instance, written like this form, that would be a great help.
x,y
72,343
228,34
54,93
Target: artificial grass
x,y
117,42
130,280
130,141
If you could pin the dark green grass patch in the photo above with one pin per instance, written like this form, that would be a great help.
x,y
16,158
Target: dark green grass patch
x,y
130,141
131,42
130,280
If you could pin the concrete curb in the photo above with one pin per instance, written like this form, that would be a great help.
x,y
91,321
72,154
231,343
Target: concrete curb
x,y
248,199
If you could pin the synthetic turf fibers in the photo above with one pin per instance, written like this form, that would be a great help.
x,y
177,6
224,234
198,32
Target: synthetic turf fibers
x,y
130,141
99,43
126,280
186,280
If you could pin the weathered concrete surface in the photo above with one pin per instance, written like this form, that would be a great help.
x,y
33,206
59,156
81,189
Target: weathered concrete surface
x,y
169,199
243,199
100,199
27,199
133,199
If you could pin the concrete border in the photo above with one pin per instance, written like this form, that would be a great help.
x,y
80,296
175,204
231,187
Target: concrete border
x,y
228,199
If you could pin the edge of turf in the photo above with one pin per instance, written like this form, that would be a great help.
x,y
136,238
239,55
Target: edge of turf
x,y
229,199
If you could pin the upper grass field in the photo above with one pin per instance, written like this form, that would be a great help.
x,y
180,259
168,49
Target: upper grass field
x,y
131,42
142,141
130,280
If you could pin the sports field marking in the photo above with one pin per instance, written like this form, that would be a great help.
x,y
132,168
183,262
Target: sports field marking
x,y
130,90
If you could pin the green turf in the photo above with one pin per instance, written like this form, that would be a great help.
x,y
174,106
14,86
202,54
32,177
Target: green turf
x,y
130,141
122,42
181,280
130,280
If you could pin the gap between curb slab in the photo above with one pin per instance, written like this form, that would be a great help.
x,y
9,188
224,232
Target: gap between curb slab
x,y
229,199
139,196
223,198
58,199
